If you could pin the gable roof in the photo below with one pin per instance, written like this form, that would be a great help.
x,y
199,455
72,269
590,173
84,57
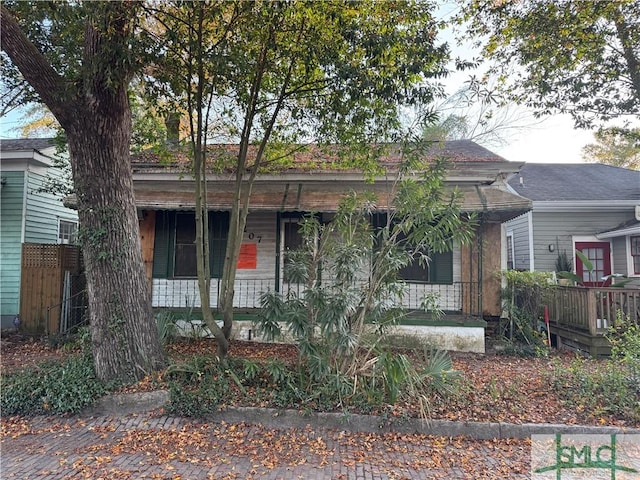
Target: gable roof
x,y
576,182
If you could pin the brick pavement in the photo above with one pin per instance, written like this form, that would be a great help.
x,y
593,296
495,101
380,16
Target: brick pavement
x,y
165,447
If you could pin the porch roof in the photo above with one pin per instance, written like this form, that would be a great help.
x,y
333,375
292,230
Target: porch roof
x,y
496,203
631,227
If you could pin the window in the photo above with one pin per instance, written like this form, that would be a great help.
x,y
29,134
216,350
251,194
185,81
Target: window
x,y
67,232
175,247
596,257
185,246
635,254
292,240
439,268
292,235
510,251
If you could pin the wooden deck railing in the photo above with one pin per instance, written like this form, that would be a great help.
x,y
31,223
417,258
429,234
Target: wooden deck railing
x,y
593,309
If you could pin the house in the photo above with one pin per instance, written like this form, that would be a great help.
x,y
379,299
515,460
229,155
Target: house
x,y
593,208
27,214
464,278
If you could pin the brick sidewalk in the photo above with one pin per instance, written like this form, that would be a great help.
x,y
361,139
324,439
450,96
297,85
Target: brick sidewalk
x,y
164,447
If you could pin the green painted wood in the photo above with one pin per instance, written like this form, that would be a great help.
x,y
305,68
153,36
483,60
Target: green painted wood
x,y
44,210
10,237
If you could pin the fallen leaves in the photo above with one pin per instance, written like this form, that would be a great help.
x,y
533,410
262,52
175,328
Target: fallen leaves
x,y
161,448
496,388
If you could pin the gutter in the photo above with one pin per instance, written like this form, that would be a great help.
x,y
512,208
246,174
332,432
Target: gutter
x,y
583,206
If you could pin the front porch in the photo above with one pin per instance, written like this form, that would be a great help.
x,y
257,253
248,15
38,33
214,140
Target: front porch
x,y
581,316
461,328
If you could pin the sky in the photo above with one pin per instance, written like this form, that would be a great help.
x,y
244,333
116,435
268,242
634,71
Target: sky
x,y
554,140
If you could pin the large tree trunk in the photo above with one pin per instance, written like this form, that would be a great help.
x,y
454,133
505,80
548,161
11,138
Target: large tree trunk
x,y
124,336
93,108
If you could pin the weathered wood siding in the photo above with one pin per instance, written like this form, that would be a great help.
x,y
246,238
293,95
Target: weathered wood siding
x,y
261,232
11,208
481,262
557,228
491,266
147,238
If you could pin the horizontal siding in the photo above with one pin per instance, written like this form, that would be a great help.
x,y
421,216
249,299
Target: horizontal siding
x,y
622,259
10,247
619,254
261,231
520,228
43,211
557,228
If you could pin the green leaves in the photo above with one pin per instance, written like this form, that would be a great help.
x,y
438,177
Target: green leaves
x,y
568,56
67,387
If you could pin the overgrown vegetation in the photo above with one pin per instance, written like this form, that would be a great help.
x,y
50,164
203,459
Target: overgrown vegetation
x,y
610,387
202,384
352,291
524,298
56,388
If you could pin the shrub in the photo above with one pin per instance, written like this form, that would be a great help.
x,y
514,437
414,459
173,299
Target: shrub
x,y
602,388
524,298
197,386
67,387
166,323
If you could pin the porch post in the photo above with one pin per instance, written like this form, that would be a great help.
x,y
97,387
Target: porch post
x,y
278,242
592,311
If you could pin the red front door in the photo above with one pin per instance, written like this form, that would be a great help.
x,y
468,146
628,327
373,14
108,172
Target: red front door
x,y
599,254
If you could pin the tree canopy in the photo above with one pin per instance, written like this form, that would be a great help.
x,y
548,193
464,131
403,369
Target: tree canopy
x,y
617,147
570,56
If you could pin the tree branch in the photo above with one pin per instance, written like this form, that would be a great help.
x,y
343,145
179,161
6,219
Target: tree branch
x,y
35,68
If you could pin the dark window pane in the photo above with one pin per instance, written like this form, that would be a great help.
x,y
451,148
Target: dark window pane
x,y
415,272
292,236
185,261
185,248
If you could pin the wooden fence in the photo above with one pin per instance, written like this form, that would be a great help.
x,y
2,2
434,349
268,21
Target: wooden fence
x,y
42,282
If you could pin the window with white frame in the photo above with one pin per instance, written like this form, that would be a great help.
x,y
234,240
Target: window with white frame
x,y
510,252
635,254
67,232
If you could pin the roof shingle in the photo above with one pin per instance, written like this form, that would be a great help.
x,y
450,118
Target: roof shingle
x,y
576,182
